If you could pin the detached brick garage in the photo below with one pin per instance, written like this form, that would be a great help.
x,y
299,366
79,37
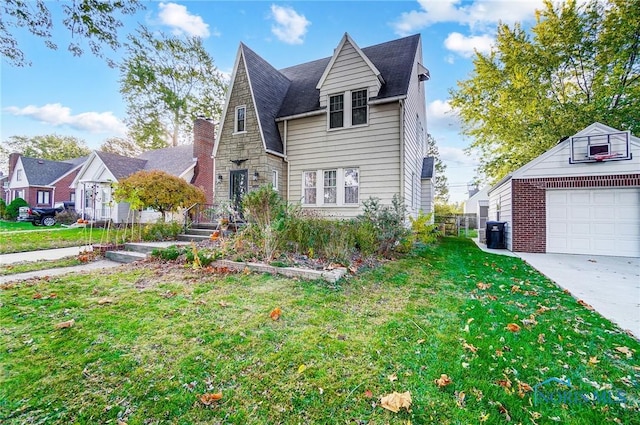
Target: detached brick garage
x,y
580,197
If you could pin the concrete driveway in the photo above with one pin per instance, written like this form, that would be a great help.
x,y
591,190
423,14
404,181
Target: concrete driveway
x,y
611,285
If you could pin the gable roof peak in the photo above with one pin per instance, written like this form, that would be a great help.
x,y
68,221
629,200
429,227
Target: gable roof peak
x,y
346,38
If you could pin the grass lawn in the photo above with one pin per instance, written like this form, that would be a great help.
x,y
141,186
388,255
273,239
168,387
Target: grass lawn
x,y
16,239
148,341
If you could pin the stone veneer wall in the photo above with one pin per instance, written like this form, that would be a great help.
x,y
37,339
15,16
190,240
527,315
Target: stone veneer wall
x,y
247,145
529,220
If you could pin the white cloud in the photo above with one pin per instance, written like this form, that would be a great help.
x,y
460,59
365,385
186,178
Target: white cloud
x,y
177,16
456,157
441,117
476,13
57,115
290,27
467,46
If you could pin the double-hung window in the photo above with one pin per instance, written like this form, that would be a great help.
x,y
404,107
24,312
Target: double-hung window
x,y
336,111
309,187
351,185
359,107
330,186
240,119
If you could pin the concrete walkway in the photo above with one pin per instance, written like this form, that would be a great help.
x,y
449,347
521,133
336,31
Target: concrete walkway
x,y
50,254
611,285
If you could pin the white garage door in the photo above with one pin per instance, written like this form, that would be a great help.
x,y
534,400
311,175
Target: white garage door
x,y
594,222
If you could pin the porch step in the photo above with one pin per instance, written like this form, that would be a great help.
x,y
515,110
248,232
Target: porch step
x,y
136,251
189,237
125,256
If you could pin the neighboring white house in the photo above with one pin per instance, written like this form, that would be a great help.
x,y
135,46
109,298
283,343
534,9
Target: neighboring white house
x,y
331,133
580,197
94,183
478,204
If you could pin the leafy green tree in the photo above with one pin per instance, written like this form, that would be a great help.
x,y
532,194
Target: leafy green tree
x,y
166,82
158,190
51,146
120,146
441,184
577,65
96,22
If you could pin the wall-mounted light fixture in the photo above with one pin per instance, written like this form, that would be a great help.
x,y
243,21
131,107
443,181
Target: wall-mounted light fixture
x,y
255,176
219,179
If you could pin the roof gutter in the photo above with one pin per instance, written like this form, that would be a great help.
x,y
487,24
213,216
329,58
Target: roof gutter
x,y
500,183
302,115
387,100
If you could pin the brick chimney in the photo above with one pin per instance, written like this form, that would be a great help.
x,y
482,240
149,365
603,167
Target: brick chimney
x,y
203,141
13,160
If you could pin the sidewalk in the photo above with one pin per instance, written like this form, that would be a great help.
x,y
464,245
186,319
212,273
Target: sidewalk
x,y
50,254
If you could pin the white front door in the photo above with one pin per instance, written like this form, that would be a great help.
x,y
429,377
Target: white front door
x,y
594,221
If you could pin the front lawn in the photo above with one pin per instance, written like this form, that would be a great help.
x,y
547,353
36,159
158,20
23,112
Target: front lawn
x,y
161,343
47,238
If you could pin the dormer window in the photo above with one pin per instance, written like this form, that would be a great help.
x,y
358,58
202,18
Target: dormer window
x,y
359,107
240,119
354,101
336,111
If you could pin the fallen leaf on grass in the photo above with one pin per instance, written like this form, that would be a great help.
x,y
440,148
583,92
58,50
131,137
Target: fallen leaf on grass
x,y
223,304
368,394
103,301
504,411
625,350
53,295
460,399
523,388
121,422
531,321
585,305
541,339
484,417
210,398
396,401
593,360
275,313
65,325
482,285
443,381
37,296
393,377
469,347
513,327
505,383
302,368
514,289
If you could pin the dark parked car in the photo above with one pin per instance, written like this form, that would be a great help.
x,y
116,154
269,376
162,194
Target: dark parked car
x,y
44,216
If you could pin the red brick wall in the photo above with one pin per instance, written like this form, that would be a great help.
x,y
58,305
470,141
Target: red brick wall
x,y
203,140
529,221
63,192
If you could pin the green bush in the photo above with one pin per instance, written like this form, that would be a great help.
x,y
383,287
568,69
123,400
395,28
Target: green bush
x,y
205,256
14,207
67,217
265,211
170,253
424,230
161,231
388,222
3,208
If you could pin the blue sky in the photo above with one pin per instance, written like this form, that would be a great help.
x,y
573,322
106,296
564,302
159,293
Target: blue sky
x,y
79,96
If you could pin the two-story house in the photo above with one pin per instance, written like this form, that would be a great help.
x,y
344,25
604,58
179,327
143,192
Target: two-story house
x,y
330,133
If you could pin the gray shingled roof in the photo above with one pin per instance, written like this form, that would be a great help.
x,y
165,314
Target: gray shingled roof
x,y
173,160
43,172
428,166
269,89
121,166
292,91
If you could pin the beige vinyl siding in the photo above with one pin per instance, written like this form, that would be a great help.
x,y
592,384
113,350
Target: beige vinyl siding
x,y
502,196
373,149
413,149
556,164
349,72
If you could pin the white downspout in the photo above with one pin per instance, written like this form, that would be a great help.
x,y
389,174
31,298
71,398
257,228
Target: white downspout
x,y
402,182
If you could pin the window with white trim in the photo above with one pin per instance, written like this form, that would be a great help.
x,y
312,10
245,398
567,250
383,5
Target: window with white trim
x,y
348,109
274,180
44,197
330,187
359,107
310,187
351,185
18,175
240,119
336,111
